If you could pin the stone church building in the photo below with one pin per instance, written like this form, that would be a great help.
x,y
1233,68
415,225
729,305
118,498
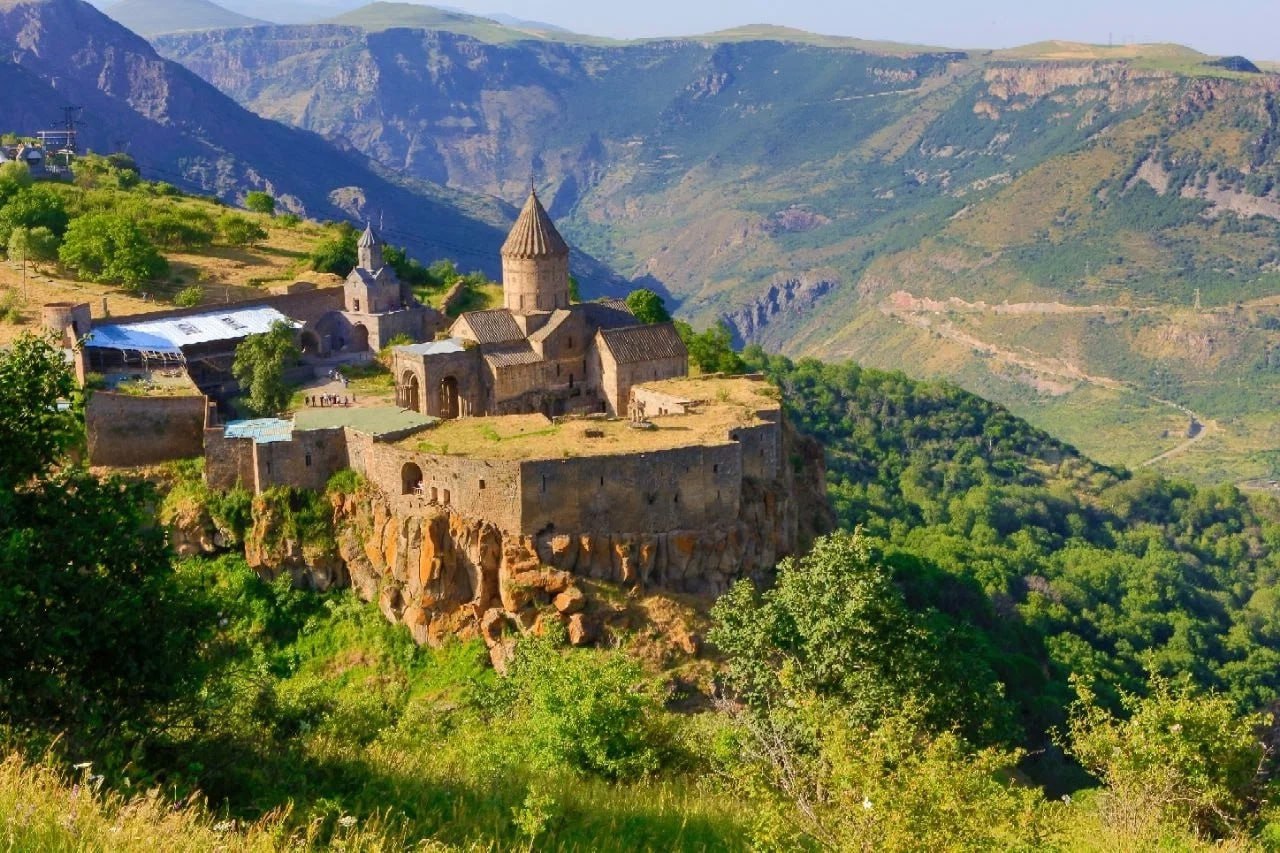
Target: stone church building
x,y
377,308
539,352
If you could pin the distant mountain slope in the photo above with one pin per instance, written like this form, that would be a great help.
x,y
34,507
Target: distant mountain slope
x,y
183,130
152,17
380,16
878,202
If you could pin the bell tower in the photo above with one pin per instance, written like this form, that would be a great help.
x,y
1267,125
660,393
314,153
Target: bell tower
x,y
369,250
535,263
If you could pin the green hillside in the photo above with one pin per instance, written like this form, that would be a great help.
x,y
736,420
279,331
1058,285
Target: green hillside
x,y
153,17
376,17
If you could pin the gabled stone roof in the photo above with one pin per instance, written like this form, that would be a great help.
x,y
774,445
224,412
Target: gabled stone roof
x,y
607,313
511,354
634,344
494,326
558,318
534,234
386,275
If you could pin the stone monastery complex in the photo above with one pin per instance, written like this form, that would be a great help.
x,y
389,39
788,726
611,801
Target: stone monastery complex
x,y
544,435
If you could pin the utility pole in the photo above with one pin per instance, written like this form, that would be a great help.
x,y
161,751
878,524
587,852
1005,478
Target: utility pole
x,y
70,119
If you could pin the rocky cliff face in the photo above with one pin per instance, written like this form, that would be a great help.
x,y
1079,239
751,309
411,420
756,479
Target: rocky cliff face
x,y
442,574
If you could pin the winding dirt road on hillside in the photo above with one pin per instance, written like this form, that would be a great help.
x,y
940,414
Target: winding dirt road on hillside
x,y
1054,374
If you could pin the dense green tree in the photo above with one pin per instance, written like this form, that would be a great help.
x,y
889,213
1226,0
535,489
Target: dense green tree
x,y
95,637
711,351
260,202
33,207
892,786
336,254
34,246
14,177
837,624
109,248
588,712
648,306
260,364
1177,758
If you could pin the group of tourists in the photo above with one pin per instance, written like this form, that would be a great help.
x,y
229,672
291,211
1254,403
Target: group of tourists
x,y
325,400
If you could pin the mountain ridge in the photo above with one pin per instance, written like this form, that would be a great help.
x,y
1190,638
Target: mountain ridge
x,y
154,17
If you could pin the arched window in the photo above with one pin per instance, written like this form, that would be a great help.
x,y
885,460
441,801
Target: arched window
x,y
410,479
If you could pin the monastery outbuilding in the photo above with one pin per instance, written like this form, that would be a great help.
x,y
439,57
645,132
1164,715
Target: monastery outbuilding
x,y
539,353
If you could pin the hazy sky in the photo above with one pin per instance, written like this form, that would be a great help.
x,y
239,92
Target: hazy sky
x,y
1248,27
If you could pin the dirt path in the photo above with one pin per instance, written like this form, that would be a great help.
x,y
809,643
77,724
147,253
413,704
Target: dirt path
x,y
1056,372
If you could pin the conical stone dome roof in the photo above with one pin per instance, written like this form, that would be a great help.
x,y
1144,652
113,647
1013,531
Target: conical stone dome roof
x,y
369,238
534,234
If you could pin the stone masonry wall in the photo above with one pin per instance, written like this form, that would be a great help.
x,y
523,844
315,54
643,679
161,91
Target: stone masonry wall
x,y
305,462
681,489
477,488
227,461
124,430
624,376
307,306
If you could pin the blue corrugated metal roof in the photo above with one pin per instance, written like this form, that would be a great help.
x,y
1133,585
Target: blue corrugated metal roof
x,y
170,335
261,430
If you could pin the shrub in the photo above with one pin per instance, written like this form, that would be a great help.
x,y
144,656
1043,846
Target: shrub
x,y
33,207
344,482
238,230
584,710
179,229
189,297
35,246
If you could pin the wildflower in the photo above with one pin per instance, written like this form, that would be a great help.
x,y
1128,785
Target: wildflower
x,y
347,821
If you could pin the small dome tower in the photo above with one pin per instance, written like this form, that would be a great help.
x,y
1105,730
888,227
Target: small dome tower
x,y
369,250
535,262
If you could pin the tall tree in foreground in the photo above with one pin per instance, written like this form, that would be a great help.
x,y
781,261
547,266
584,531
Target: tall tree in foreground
x,y
259,367
96,638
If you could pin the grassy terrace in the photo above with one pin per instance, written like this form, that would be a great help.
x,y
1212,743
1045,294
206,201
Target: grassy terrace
x,y
727,403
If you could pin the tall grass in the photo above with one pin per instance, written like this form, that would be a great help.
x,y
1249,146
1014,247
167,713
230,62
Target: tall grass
x,y
42,810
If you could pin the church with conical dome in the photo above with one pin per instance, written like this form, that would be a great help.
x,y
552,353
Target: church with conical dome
x,y
540,352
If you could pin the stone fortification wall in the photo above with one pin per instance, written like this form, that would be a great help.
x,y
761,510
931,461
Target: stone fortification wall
x,y
307,306
442,570
228,462
475,488
508,556
125,430
762,450
305,462
681,489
